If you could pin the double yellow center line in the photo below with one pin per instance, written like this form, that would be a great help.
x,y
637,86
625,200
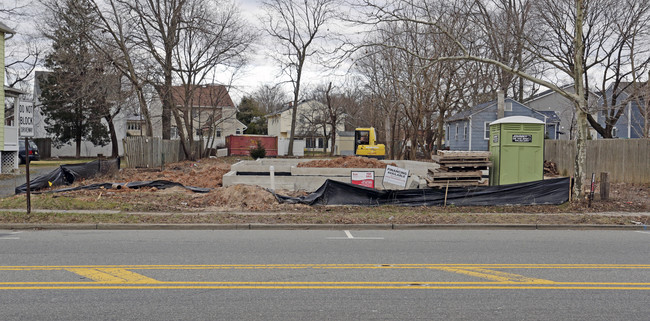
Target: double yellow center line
x,y
482,276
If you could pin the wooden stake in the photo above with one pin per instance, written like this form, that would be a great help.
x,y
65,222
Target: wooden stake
x,y
446,189
604,185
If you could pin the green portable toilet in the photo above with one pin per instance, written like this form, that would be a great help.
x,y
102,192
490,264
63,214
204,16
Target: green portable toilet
x,y
517,150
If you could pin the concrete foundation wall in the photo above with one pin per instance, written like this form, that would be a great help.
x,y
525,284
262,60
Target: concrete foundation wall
x,y
311,178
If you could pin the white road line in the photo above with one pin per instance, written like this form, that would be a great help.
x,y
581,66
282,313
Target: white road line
x,y
11,237
350,237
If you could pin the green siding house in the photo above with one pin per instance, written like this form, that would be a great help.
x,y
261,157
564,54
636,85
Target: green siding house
x,y
8,126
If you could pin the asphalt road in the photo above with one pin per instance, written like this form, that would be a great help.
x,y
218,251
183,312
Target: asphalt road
x,y
325,275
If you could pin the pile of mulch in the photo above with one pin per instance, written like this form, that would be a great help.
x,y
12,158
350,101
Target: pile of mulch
x,y
347,162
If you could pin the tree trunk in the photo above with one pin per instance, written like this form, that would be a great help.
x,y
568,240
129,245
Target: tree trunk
x,y
115,152
581,104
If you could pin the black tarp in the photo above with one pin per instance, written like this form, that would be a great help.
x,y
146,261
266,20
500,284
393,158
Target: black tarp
x,y
69,173
551,191
159,184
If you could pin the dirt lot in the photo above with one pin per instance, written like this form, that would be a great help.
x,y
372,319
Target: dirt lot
x,y
261,204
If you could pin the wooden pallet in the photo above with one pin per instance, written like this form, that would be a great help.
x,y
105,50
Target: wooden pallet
x,y
442,184
467,159
455,176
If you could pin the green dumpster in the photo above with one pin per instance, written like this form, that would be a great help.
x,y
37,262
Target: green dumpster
x,y
517,150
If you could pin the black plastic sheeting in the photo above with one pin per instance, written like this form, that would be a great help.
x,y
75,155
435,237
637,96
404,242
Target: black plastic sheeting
x,y
159,184
69,173
551,191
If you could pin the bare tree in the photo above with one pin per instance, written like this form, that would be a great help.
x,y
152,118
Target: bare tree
x,y
120,48
270,97
213,35
297,25
24,52
437,16
616,43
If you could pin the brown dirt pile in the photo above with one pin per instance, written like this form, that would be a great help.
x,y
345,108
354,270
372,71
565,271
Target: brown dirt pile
x,y
201,173
346,162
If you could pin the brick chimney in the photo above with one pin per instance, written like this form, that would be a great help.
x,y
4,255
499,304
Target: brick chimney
x,y
500,104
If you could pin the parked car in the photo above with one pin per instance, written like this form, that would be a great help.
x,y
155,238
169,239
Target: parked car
x,y
33,151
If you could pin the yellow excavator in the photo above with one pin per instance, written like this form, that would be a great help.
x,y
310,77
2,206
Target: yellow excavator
x,y
365,144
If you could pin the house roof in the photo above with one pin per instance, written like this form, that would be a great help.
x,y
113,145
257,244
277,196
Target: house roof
x,y
465,114
203,96
545,93
284,108
5,29
551,116
631,88
13,92
517,120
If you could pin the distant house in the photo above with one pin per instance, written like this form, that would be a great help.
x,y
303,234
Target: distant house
x,y
633,98
564,109
470,130
309,124
9,127
212,111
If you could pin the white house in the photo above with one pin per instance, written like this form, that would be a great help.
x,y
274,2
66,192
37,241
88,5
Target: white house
x,y
311,124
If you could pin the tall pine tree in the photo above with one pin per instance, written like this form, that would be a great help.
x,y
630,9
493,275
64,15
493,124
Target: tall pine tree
x,y
74,93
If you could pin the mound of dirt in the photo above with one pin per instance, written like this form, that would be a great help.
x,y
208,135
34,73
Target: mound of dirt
x,y
346,162
201,173
240,197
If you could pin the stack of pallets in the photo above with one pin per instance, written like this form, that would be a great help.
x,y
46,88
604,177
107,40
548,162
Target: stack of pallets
x,y
459,168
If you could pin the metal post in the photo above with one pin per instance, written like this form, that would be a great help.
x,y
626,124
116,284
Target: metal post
x,y
28,197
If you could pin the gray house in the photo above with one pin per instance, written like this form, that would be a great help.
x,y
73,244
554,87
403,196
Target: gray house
x,y
632,99
564,109
470,130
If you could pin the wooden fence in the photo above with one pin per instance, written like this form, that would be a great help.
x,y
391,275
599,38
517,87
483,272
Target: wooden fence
x,y
626,160
150,152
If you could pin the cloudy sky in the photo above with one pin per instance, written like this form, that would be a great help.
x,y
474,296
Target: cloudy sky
x,y
260,70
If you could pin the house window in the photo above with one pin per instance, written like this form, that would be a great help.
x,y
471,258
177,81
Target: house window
x,y
218,132
465,132
133,126
615,132
199,132
486,130
238,131
508,106
456,136
173,133
447,134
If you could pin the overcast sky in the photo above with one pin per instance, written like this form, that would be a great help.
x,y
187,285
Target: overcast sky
x,y
260,70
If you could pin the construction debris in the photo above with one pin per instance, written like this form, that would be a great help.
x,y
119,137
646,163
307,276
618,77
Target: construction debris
x,y
550,168
459,168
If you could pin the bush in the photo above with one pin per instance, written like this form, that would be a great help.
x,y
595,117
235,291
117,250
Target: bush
x,y
259,151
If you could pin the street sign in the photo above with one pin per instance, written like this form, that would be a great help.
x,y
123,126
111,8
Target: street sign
x,y
395,175
26,119
366,179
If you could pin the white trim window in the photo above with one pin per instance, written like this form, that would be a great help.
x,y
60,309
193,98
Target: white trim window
x,y
465,132
486,130
456,136
508,106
